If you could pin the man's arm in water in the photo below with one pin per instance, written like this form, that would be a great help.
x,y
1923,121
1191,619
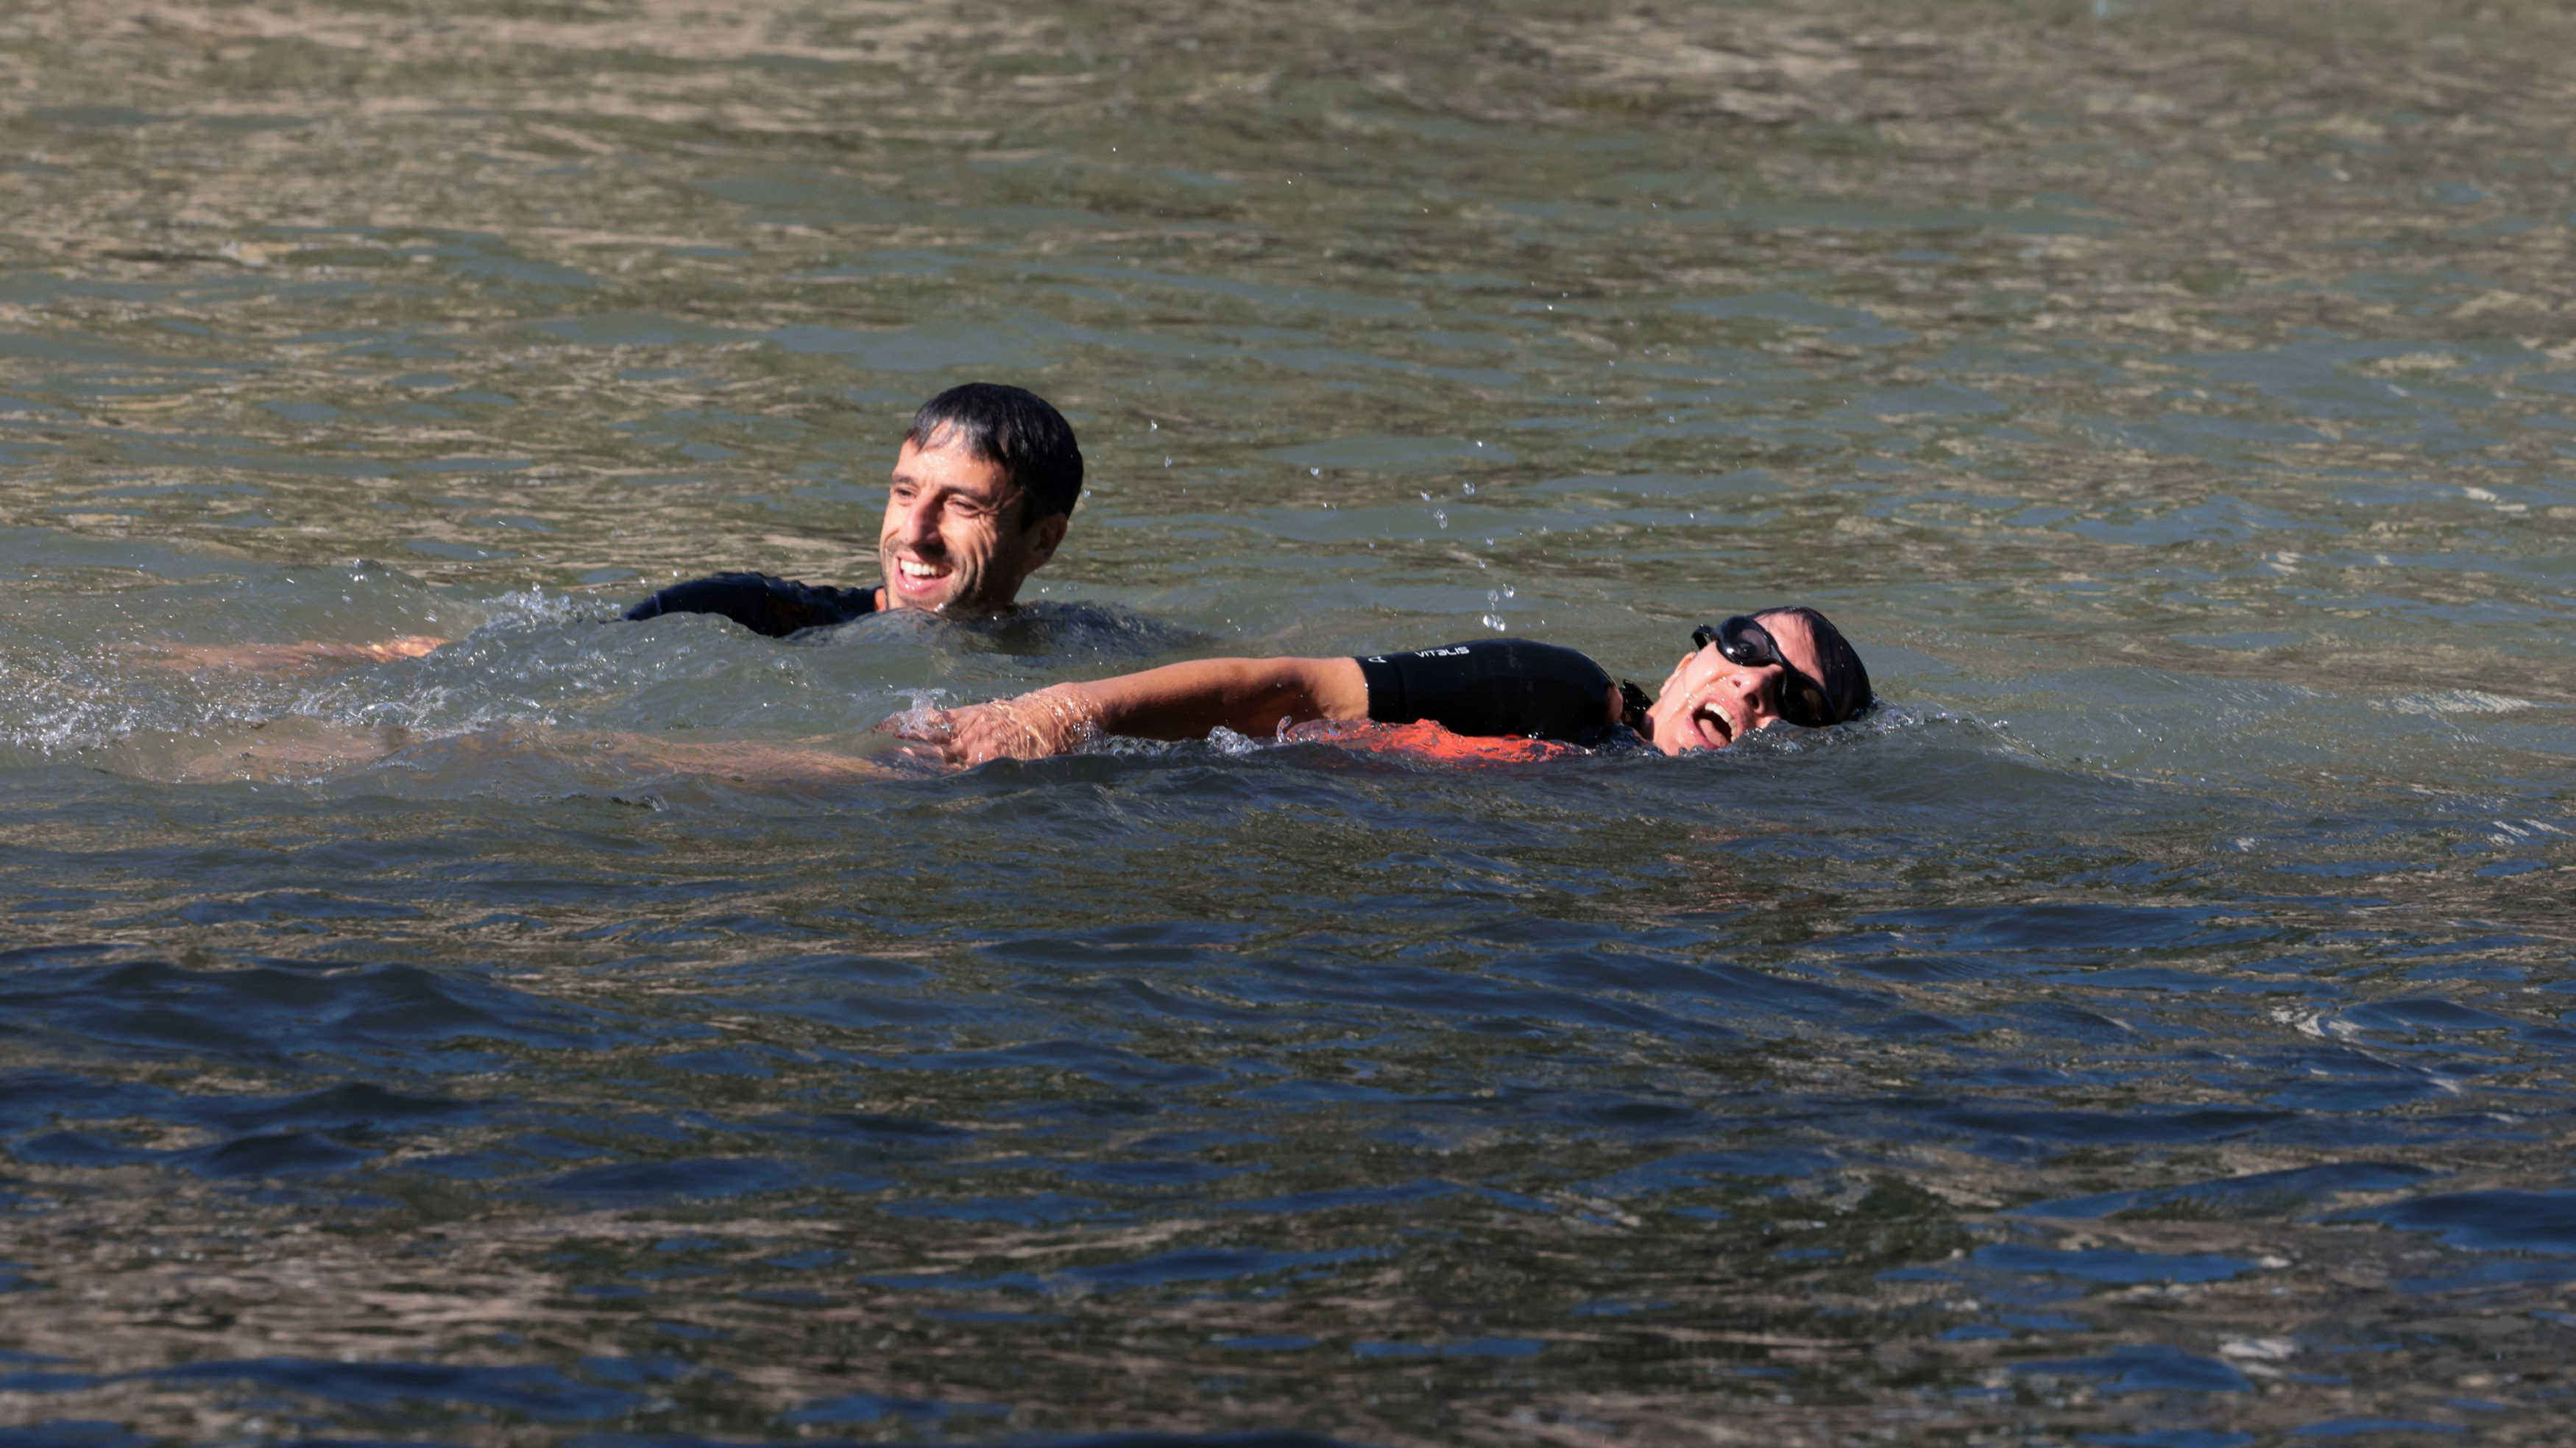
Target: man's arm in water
x,y
775,607
282,658
1177,701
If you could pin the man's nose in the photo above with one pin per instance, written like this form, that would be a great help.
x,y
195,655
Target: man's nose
x,y
918,527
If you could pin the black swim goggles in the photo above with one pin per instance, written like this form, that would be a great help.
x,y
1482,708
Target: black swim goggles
x,y
1747,644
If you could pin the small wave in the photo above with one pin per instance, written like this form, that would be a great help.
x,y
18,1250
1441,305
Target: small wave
x,y
536,606
2434,702
1063,633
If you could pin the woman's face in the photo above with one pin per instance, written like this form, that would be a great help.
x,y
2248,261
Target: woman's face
x,y
1711,701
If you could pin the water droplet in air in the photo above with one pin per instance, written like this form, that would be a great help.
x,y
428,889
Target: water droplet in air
x,y
1314,472
1440,516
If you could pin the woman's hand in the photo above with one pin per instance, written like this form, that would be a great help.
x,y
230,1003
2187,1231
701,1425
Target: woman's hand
x,y
1031,726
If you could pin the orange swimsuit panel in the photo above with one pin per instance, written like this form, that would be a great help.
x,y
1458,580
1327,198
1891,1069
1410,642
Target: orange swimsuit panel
x,y
1428,741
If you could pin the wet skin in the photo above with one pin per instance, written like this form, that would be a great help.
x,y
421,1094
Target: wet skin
x,y
953,537
1711,701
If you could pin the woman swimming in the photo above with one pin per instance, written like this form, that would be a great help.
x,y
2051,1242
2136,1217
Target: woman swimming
x,y
1496,700
1780,665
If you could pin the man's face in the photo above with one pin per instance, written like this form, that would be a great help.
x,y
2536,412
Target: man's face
x,y
1711,701
952,538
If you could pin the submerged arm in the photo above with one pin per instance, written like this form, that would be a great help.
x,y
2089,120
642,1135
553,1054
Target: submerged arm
x,y
1177,701
765,605
304,657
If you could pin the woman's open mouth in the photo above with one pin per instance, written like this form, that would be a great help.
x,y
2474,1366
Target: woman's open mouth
x,y
1714,727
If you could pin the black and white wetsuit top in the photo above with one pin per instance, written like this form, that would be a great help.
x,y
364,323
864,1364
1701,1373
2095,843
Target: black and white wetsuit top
x,y
1496,687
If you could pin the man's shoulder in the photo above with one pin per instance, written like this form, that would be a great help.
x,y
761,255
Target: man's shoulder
x,y
761,602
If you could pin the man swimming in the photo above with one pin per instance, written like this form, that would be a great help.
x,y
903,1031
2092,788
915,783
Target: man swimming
x,y
983,488
1778,666
982,491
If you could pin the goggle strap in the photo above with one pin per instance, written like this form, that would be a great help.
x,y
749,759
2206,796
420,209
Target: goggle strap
x,y
1633,705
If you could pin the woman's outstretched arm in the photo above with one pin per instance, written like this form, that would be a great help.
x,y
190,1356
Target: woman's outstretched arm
x,y
1177,701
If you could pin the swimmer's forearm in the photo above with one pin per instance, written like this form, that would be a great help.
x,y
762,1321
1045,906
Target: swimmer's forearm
x,y
1249,696
305,656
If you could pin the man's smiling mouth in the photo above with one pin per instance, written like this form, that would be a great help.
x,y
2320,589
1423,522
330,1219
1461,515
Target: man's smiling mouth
x,y
925,584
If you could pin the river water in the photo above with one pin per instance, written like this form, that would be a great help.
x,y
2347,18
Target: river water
x,y
2151,1026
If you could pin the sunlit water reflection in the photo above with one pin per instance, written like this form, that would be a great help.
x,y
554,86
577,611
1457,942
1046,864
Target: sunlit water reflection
x,y
2151,1022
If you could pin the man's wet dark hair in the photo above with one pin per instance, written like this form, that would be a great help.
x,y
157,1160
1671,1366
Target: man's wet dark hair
x,y
1013,429
1846,681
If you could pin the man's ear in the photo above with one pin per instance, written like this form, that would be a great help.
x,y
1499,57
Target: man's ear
x,y
1044,537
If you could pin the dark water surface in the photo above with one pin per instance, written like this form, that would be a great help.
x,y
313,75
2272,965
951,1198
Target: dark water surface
x,y
2152,1027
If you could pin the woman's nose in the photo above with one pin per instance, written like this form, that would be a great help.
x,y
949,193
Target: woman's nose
x,y
1756,687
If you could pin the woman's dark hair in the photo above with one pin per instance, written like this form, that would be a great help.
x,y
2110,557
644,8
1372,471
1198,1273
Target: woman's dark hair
x,y
1013,429
1846,681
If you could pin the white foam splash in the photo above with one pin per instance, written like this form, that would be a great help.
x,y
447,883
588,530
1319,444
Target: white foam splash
x,y
2457,701
916,716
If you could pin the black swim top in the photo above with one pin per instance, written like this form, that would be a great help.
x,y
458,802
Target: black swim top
x,y
765,605
1493,687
